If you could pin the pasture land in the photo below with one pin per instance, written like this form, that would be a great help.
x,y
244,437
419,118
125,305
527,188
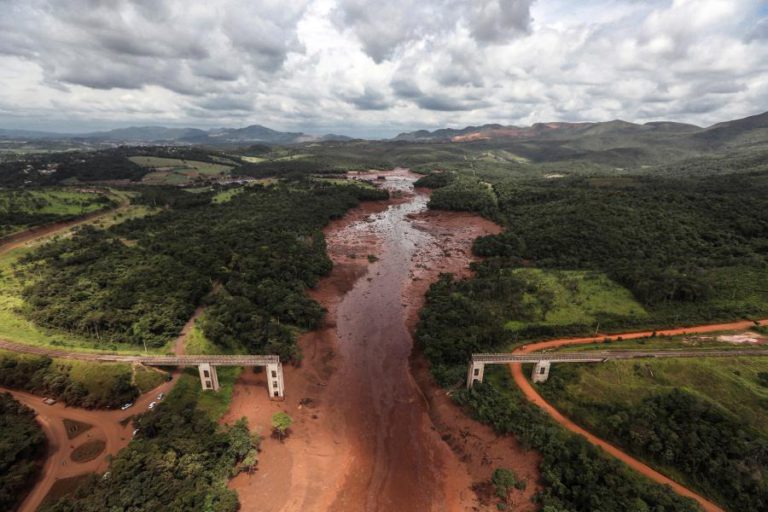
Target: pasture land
x,y
566,297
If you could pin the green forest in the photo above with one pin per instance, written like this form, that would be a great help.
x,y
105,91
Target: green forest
x,y
690,250
613,253
140,281
22,447
575,475
709,432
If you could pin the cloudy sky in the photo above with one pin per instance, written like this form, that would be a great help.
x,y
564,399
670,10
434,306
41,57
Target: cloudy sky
x,y
373,68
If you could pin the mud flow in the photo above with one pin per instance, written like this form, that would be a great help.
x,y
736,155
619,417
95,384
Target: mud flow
x,y
363,438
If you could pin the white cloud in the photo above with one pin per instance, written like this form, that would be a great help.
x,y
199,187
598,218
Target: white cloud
x,y
368,67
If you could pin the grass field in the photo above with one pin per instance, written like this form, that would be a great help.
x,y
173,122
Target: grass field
x,y
172,171
213,404
197,343
147,379
698,341
50,201
730,383
226,195
564,297
20,210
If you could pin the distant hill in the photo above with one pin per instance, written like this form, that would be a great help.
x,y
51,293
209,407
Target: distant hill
x,y
148,134
552,131
254,134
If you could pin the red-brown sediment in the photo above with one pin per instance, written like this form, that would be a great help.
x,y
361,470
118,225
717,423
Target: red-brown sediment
x,y
366,437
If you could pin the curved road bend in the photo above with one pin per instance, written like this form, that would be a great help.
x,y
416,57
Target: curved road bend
x,y
106,427
530,392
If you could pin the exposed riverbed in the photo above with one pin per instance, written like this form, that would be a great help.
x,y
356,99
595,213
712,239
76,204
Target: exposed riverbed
x,y
366,437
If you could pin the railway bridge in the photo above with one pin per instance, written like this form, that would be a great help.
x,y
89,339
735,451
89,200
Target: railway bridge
x,y
543,360
206,364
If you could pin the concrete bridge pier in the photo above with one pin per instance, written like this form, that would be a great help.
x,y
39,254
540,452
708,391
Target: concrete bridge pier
x,y
275,381
475,373
541,371
208,377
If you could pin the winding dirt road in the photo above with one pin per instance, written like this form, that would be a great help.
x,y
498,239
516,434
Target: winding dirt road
x,y
22,238
531,394
106,427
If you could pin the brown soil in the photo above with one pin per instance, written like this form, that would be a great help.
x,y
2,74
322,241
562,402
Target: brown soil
x,y
75,428
109,427
530,392
365,436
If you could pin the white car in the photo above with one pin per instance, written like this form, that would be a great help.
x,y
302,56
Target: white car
x,y
126,406
152,405
161,396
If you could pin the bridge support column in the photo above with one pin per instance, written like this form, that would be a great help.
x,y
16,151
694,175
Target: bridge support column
x,y
275,381
208,377
475,373
541,371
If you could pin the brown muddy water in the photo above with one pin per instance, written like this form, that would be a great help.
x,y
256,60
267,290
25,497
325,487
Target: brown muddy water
x,y
365,436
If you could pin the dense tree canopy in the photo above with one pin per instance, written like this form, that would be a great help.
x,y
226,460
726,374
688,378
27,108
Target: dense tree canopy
x,y
141,280
22,445
42,376
180,460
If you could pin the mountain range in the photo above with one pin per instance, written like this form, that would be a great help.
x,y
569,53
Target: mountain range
x,y
751,130
161,135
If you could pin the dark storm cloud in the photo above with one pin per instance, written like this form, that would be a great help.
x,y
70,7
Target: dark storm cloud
x,y
129,44
369,100
226,103
384,29
377,64
406,89
447,104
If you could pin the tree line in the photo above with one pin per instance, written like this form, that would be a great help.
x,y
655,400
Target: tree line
x,y
140,281
21,451
180,459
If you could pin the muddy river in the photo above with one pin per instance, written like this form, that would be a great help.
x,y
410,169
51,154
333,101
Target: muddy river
x,y
365,438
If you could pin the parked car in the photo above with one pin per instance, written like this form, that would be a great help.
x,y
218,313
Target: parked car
x,y
161,396
49,401
152,405
135,432
126,406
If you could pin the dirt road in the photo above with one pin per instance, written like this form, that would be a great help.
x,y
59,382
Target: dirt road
x,y
106,427
530,392
17,240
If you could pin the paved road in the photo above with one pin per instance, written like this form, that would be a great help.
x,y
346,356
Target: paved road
x,y
530,392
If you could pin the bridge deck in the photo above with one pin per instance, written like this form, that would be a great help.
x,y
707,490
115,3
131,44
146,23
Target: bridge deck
x,y
216,360
609,355
191,360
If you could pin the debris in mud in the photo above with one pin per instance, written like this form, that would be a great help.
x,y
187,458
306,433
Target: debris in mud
x,y
307,402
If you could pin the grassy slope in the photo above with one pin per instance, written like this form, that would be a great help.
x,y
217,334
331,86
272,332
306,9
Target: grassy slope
x,y
15,327
730,383
575,297
215,404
